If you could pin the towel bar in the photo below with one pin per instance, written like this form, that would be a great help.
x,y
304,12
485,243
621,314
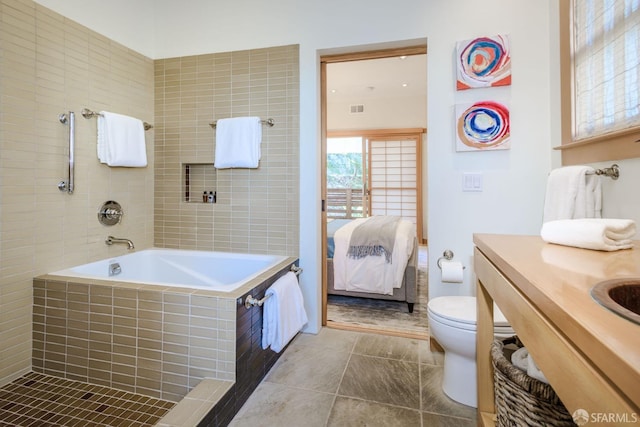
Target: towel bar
x,y
87,114
252,302
612,172
268,122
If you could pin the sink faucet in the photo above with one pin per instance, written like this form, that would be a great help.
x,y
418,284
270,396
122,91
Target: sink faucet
x,y
111,240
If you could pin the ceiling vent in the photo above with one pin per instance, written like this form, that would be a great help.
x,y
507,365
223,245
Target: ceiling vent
x,y
355,109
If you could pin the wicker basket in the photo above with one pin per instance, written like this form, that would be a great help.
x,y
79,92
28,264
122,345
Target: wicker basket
x,y
520,399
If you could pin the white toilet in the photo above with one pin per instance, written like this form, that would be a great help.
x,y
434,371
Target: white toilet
x,y
452,322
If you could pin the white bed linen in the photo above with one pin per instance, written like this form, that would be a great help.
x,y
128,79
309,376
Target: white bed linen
x,y
372,273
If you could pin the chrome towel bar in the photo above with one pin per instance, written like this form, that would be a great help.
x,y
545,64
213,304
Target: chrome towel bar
x,y
268,122
612,172
88,114
253,302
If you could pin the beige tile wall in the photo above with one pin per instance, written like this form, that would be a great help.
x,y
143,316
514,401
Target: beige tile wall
x,y
256,209
147,340
49,65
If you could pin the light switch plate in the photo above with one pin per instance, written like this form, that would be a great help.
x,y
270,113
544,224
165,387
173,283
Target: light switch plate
x,y
471,181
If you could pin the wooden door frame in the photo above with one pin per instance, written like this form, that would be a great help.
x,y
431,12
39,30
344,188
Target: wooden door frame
x,y
324,60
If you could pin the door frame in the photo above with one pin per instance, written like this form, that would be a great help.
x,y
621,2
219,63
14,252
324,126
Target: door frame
x,y
324,60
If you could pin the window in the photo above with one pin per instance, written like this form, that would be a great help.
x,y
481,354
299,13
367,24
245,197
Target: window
x,y
600,42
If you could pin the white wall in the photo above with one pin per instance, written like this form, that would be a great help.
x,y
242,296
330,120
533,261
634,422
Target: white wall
x,y
379,113
514,180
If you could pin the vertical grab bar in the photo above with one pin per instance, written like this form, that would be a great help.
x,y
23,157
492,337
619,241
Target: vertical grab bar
x,y
71,118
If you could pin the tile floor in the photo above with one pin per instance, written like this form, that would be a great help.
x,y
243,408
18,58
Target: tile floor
x,y
344,378
44,400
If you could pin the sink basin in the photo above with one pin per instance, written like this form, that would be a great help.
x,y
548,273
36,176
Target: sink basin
x,y
622,296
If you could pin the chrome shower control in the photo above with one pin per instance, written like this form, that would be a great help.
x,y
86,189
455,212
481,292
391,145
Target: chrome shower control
x,y
110,213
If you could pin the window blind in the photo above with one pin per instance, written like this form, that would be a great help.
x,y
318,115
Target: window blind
x,y
606,60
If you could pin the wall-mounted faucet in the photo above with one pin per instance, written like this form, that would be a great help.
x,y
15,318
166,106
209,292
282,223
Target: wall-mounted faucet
x,y
111,240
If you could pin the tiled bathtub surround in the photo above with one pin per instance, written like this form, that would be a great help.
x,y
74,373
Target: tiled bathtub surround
x,y
50,65
256,209
200,348
214,403
151,340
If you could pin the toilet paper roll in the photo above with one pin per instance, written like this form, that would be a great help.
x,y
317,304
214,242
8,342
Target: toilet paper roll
x,y
452,271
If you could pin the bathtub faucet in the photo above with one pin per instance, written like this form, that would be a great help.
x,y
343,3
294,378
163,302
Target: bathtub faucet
x,y
111,240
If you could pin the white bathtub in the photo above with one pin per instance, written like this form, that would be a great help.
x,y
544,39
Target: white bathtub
x,y
217,271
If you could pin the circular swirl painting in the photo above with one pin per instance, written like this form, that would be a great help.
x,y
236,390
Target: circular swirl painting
x,y
482,125
483,62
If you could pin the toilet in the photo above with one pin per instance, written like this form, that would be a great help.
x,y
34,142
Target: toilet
x,y
452,322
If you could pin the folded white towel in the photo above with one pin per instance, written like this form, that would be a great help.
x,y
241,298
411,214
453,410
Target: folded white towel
x,y
603,234
238,142
121,140
284,314
573,192
519,358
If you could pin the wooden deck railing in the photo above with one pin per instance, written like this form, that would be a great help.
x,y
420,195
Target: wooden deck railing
x,y
345,203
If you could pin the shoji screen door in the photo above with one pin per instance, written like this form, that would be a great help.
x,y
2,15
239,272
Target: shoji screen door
x,y
394,178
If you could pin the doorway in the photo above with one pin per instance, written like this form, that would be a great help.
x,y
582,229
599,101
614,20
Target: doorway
x,y
371,150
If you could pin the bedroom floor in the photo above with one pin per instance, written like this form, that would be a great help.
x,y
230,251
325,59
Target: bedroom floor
x,y
345,378
391,317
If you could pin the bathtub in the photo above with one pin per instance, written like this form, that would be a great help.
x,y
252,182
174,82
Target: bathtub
x,y
216,271
168,321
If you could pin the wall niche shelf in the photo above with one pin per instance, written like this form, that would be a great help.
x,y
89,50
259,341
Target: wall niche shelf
x,y
196,179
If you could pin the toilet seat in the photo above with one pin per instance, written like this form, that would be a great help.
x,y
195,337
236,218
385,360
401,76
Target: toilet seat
x,y
460,312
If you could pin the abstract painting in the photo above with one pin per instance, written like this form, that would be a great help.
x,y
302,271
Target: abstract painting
x,y
483,125
483,62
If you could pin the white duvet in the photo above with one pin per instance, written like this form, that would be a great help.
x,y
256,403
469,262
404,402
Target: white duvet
x,y
372,273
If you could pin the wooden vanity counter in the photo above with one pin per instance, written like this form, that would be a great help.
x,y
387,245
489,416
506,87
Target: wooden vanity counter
x,y
590,355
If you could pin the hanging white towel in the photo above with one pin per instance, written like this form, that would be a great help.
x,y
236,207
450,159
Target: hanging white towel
x,y
573,192
284,314
238,142
603,234
121,140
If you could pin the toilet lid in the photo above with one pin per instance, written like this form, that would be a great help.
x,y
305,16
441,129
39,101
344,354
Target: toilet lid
x,y
462,309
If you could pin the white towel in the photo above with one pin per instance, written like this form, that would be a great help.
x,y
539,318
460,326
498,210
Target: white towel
x,y
238,142
519,358
284,314
121,140
573,192
533,370
603,234
522,360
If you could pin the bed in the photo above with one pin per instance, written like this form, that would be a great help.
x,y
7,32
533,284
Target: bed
x,y
372,276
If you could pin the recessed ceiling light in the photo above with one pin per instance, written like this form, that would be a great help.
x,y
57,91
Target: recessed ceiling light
x,y
404,85
333,91
403,57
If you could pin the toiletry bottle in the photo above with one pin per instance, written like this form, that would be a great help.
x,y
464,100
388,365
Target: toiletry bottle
x,y
204,197
215,196
210,199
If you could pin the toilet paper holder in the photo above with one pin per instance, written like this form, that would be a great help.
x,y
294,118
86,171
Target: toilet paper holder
x,y
448,255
